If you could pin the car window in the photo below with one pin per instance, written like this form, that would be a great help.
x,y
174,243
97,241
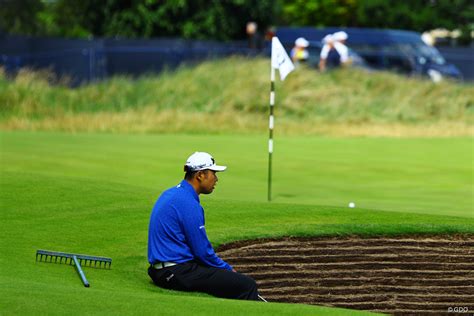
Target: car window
x,y
430,53
422,52
399,64
365,48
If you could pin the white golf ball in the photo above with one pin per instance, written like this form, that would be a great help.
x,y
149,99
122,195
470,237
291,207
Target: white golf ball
x,y
352,205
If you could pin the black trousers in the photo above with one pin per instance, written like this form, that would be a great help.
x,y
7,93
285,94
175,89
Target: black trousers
x,y
191,276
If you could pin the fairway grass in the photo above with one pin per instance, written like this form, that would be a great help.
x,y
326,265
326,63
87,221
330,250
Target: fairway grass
x,y
93,194
429,176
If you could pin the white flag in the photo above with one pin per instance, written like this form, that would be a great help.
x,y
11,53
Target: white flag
x,y
280,59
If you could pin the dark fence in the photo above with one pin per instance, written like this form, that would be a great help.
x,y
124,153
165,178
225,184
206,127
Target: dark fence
x,y
84,61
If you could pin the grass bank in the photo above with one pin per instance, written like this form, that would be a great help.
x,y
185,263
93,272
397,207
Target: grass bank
x,y
231,95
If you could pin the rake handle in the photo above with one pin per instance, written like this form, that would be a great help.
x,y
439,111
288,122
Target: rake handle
x,y
79,270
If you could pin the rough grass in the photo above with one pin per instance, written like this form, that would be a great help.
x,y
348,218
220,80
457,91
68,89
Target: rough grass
x,y
232,95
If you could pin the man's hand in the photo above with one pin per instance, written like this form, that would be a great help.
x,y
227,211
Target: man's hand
x,y
233,270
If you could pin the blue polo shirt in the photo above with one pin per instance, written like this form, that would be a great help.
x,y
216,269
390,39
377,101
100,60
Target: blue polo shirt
x,y
177,233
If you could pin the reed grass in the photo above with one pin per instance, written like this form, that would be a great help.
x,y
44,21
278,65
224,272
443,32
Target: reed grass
x,y
231,95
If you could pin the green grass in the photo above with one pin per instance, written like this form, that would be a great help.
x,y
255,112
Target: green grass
x,y
432,176
93,193
236,91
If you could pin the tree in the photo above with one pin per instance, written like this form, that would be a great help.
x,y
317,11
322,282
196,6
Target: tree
x,y
319,12
417,15
224,19
20,16
199,19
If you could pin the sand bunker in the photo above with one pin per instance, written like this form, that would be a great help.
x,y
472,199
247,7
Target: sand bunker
x,y
396,275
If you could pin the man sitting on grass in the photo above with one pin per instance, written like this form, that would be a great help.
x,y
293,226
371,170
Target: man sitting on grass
x,y
180,254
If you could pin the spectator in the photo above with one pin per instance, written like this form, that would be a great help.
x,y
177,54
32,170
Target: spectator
x,y
299,53
252,34
328,45
334,52
340,45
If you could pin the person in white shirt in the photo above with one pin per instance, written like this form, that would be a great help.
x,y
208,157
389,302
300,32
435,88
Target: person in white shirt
x,y
340,45
334,52
327,47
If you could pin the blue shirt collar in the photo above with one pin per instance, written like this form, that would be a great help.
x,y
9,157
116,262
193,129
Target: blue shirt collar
x,y
188,187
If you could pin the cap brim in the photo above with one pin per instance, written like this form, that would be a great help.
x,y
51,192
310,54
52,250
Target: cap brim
x,y
217,168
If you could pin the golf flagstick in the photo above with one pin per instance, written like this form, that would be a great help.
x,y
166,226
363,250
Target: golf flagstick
x,y
270,128
281,61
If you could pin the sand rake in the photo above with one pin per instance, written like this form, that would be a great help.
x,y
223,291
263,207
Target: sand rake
x,y
74,259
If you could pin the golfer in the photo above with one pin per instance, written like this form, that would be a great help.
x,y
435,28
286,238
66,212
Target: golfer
x,y
180,254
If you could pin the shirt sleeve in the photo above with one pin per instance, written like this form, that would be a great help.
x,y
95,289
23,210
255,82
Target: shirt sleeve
x,y
324,52
343,51
195,232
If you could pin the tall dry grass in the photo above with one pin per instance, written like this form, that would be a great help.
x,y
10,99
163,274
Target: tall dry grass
x,y
231,95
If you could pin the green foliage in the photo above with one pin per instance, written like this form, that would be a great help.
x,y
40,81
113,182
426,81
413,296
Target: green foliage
x,y
224,20
319,13
418,15
218,20
21,16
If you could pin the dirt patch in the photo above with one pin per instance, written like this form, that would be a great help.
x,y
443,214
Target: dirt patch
x,y
404,275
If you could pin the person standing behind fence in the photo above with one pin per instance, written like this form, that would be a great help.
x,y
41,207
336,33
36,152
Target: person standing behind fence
x,y
299,53
327,47
254,39
334,52
340,46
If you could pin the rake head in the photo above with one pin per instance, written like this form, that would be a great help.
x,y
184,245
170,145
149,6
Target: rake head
x,y
68,258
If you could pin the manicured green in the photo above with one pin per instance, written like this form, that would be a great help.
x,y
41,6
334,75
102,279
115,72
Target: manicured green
x,y
93,193
431,176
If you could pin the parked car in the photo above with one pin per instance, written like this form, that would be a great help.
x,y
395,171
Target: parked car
x,y
395,50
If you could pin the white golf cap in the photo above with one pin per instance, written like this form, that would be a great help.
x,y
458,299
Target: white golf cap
x,y
340,36
328,39
202,161
302,42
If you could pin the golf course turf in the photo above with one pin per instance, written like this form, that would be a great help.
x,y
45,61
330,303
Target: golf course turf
x,y
93,194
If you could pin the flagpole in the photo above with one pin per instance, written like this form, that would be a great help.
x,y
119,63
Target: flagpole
x,y
270,128
282,62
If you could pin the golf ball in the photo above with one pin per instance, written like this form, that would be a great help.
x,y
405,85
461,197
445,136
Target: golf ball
x,y
352,205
